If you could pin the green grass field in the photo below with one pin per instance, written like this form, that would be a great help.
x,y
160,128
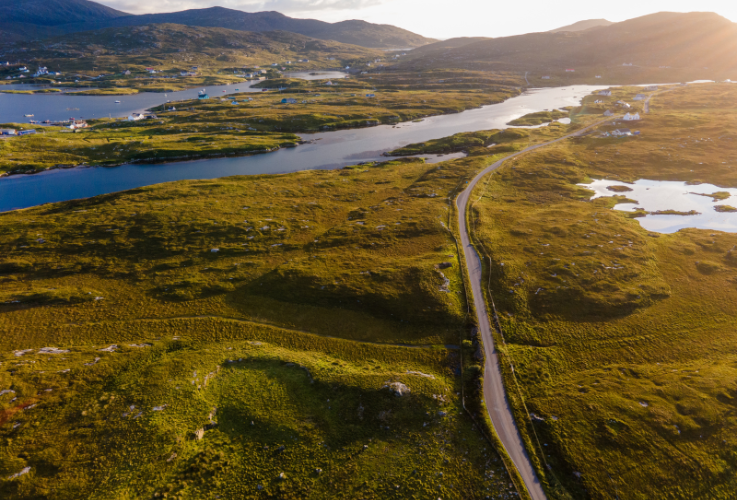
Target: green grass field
x,y
622,339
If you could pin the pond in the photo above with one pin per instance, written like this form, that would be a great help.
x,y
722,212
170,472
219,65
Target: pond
x,y
326,150
708,204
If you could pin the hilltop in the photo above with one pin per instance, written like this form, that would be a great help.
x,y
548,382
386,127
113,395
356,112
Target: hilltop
x,y
675,45
31,19
583,25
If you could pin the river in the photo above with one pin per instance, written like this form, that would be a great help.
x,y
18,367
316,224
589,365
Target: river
x,y
62,106
327,150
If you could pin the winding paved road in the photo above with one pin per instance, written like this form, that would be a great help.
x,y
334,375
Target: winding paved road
x,y
494,394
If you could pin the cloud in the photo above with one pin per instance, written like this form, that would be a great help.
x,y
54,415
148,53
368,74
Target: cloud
x,y
284,6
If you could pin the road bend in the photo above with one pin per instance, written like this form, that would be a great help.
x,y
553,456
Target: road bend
x,y
495,396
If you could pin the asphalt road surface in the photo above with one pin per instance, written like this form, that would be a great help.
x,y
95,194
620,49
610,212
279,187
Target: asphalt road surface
x,y
494,394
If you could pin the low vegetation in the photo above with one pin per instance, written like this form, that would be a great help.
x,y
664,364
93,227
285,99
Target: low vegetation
x,y
621,338
166,418
259,323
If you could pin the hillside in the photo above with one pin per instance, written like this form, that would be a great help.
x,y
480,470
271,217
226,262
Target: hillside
x,y
172,48
584,25
451,43
693,45
56,12
44,18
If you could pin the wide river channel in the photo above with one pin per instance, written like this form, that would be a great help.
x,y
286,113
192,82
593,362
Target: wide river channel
x,y
327,149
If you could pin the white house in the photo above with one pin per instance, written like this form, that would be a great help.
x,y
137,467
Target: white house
x,y
77,125
134,117
606,93
329,83
608,113
640,97
43,70
623,104
127,72
631,118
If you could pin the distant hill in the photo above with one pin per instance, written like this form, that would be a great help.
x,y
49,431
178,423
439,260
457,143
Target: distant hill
x,y
43,18
451,43
175,46
692,41
584,25
56,12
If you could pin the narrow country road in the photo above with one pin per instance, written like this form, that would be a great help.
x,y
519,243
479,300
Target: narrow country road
x,y
494,394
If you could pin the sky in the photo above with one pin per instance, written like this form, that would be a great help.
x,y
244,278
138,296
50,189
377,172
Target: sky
x,y
448,18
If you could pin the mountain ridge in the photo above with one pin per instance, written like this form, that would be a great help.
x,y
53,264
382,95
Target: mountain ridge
x,y
696,40
583,25
45,18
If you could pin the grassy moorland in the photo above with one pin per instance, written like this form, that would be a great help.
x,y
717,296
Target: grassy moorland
x,y
216,127
348,253
622,339
292,418
287,302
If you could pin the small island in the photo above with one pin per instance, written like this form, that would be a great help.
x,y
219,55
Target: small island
x,y
619,189
718,196
725,208
532,119
675,212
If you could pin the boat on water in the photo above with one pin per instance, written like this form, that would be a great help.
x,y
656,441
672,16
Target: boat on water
x,y
29,116
117,102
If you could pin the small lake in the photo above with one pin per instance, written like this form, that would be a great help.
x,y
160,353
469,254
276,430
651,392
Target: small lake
x,y
62,106
653,196
326,151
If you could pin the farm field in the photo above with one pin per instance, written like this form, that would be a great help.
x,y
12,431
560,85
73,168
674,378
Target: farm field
x,y
622,339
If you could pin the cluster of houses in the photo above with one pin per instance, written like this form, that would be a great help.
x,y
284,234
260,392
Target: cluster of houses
x,y
41,71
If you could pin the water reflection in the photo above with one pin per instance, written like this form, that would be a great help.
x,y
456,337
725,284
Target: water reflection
x,y
654,196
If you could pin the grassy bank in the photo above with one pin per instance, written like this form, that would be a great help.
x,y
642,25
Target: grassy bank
x,y
621,338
